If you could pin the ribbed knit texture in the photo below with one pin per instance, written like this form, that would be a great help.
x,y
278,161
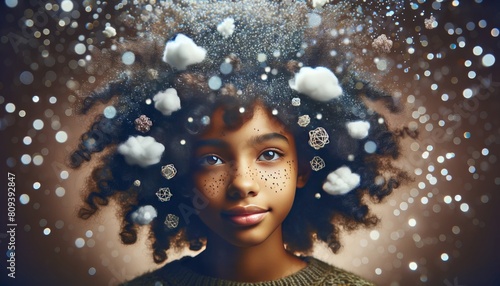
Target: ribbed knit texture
x,y
315,274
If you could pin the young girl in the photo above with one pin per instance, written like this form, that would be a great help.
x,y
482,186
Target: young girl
x,y
241,129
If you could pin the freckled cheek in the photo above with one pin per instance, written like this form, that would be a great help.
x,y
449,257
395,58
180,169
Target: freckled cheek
x,y
278,180
213,185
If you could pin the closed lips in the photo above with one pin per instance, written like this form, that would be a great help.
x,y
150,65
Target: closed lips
x,y
245,216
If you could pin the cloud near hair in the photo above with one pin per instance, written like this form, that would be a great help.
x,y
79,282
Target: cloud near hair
x,y
358,129
318,83
141,150
226,28
144,215
182,52
341,181
167,101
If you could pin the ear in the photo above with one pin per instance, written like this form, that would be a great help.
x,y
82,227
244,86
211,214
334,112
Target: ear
x,y
303,176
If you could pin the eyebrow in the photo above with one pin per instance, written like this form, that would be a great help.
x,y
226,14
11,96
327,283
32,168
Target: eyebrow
x,y
259,139
255,140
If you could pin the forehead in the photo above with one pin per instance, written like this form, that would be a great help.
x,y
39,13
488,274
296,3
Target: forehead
x,y
260,121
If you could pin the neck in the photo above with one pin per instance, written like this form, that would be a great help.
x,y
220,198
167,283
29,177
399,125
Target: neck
x,y
263,262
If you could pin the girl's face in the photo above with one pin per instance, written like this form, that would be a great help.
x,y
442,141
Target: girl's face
x,y
249,176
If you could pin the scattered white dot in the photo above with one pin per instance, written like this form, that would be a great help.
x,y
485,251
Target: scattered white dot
x,y
488,60
24,199
10,107
26,159
26,77
38,124
38,160
64,175
61,136
447,199
374,234
89,233
27,140
464,207
109,112
79,242
67,5
11,3
444,257
370,147
60,192
128,58
412,222
80,49
477,50
413,266
46,231
215,83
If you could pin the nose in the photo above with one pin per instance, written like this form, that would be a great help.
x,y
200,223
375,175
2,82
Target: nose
x,y
243,183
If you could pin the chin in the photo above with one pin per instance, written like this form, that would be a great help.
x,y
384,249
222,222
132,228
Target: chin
x,y
246,239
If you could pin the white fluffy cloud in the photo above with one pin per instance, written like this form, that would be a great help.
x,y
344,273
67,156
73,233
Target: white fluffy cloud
x,y
318,83
320,3
182,52
141,150
144,215
358,129
341,181
109,32
167,101
226,28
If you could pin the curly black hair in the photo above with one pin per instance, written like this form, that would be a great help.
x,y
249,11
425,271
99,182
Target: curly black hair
x,y
315,215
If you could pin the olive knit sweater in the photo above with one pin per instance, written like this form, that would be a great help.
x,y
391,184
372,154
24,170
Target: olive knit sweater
x,y
316,273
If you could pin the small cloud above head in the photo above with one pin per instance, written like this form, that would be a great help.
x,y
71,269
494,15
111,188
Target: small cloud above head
x,y
226,28
109,32
141,150
358,129
319,3
341,181
167,101
144,215
318,83
182,52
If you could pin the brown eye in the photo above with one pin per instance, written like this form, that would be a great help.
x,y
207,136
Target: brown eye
x,y
269,155
210,160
